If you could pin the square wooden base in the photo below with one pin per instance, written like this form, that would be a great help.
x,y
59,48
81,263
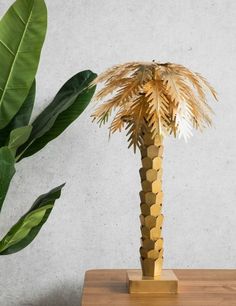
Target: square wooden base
x,y
166,283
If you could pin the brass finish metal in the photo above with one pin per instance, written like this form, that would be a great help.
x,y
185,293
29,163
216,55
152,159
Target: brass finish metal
x,y
167,98
151,218
152,100
166,283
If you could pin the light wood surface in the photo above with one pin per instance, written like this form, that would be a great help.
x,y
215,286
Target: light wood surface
x,y
195,288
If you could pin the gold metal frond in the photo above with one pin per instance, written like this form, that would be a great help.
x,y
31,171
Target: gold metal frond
x,y
165,98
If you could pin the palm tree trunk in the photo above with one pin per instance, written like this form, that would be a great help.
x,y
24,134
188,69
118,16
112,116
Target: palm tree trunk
x,y
151,218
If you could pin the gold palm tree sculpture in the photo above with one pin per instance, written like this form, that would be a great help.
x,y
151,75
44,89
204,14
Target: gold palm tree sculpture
x,y
152,100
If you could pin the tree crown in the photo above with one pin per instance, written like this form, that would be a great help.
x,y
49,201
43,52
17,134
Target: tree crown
x,y
163,98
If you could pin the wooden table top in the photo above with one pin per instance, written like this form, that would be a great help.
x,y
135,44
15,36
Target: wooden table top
x,y
196,288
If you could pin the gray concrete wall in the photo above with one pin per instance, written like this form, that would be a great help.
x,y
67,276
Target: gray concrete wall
x,y
95,224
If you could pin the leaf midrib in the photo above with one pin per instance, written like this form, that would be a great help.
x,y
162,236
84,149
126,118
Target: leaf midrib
x,y
55,111
16,56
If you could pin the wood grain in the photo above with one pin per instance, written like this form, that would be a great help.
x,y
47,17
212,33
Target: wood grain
x,y
196,288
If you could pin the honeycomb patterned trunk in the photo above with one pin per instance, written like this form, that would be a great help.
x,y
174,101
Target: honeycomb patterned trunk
x,y
151,218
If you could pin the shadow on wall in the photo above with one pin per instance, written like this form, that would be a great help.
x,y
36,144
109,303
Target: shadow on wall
x,y
64,295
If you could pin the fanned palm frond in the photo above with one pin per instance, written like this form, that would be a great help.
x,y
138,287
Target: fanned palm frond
x,y
136,121
158,111
163,98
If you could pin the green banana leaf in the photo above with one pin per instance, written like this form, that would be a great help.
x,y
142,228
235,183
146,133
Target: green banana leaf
x,y
7,170
21,118
68,104
28,226
22,33
18,137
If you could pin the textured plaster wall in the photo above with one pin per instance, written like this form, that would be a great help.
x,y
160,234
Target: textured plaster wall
x,y
95,224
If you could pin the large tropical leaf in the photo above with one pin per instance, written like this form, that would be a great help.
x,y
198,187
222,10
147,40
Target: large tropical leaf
x,y
22,33
18,137
68,104
28,226
7,170
21,118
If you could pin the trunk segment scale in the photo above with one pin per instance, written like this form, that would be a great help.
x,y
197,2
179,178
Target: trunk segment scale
x,y
151,250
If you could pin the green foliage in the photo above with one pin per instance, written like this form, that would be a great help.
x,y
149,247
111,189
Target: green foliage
x,y
22,33
22,118
26,229
67,105
7,170
18,137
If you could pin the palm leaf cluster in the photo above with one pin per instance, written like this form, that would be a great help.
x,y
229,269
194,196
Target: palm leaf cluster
x,y
161,98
